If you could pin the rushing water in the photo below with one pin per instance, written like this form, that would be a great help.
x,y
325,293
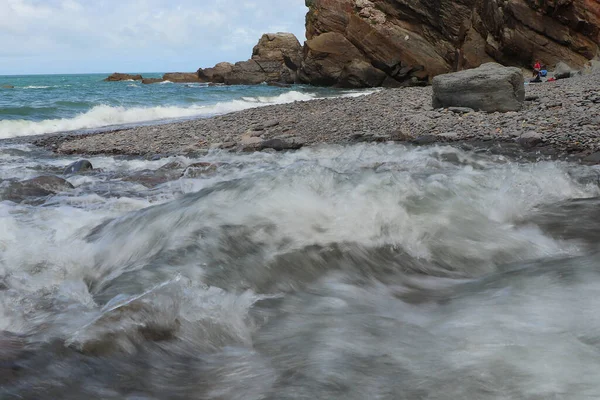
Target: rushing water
x,y
360,272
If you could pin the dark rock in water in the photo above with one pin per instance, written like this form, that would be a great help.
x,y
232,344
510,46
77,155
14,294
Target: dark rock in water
x,y
147,81
172,165
37,187
123,77
199,169
181,77
78,167
490,88
7,87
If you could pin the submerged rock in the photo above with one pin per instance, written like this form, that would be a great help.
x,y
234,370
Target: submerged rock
x,y
78,167
7,87
490,88
40,186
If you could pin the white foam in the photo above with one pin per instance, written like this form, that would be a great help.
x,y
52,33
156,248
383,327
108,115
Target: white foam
x,y
104,115
37,87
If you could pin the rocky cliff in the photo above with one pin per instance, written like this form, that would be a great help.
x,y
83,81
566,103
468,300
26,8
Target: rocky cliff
x,y
361,43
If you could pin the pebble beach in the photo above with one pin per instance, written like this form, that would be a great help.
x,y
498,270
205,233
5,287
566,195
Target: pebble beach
x,y
557,119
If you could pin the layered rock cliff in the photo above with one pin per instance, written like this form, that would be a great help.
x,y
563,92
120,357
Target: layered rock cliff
x,y
361,43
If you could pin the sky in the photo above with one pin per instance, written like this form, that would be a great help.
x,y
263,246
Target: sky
x,y
87,36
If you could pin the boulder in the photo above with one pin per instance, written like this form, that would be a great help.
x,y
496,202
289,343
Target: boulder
x,y
490,88
181,77
276,58
147,81
411,41
41,186
563,71
78,167
123,77
217,73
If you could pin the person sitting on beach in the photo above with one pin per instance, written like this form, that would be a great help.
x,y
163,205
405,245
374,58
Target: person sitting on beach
x,y
537,67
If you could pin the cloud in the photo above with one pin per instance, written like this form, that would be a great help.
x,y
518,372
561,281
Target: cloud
x,y
147,35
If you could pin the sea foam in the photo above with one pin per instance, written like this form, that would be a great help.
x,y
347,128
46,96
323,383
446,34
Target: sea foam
x,y
103,115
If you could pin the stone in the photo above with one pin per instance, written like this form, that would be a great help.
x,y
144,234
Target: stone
x,y
199,169
147,81
78,167
562,71
530,139
7,87
593,158
123,77
181,77
490,88
279,145
460,110
40,186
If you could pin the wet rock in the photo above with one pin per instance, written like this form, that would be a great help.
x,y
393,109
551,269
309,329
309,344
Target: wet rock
x,y
123,77
199,169
147,81
173,165
490,88
41,186
181,77
78,167
7,87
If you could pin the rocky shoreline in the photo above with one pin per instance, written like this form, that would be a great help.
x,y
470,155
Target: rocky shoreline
x,y
558,119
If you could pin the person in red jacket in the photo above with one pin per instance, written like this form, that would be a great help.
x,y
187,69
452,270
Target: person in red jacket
x,y
536,68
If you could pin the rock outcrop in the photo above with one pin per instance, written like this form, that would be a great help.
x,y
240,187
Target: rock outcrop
x,y
116,77
360,43
490,87
276,58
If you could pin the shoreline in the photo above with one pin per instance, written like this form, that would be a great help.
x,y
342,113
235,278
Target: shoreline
x,y
558,120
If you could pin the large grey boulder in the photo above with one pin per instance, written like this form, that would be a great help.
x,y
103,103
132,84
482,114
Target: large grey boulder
x,y
563,71
490,87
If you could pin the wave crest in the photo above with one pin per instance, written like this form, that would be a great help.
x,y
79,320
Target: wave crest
x,y
104,115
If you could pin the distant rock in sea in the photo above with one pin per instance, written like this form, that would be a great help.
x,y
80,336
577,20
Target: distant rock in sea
x,y
123,77
7,87
275,59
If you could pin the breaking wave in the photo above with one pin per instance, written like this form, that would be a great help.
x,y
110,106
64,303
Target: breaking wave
x,y
104,115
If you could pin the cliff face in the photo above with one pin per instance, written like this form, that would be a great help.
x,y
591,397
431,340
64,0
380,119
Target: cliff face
x,y
361,43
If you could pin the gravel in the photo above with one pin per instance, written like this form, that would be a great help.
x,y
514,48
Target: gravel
x,y
558,118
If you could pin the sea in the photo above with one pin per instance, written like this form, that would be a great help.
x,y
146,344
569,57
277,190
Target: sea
x,y
365,271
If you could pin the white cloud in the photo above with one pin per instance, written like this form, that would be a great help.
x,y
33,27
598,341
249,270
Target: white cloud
x,y
107,35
